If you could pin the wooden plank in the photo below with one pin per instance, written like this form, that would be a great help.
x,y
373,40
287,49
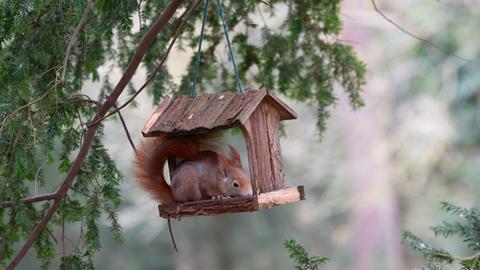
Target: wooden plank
x,y
168,121
207,112
167,101
272,121
250,104
281,196
220,107
182,116
193,114
286,112
247,131
209,207
265,180
235,108
210,109
229,114
233,205
255,131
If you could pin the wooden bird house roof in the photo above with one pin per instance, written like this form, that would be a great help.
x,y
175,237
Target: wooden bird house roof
x,y
198,114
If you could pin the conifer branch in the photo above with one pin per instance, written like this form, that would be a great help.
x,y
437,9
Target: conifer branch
x,y
33,199
21,108
178,29
73,38
144,45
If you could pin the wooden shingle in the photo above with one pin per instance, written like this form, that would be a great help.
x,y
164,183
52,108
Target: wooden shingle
x,y
193,115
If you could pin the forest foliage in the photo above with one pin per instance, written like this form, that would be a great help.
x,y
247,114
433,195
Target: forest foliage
x,y
466,228
44,63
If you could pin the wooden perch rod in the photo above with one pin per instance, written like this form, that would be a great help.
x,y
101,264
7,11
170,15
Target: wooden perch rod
x,y
232,205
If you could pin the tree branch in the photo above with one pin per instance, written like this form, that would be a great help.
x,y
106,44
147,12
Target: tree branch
x,y
126,129
145,43
26,106
32,199
73,38
178,29
436,46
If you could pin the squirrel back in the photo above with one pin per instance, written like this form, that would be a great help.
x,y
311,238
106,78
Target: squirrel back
x,y
212,175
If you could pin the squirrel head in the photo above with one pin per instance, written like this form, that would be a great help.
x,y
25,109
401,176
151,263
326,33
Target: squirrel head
x,y
236,181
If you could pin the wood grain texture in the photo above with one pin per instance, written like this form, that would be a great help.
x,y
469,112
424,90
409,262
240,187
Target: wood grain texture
x,y
209,207
256,139
250,104
286,112
256,112
247,130
232,205
272,119
228,117
165,122
194,115
166,102
281,196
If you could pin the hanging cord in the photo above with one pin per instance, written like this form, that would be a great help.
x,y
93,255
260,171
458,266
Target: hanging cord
x,y
199,51
230,49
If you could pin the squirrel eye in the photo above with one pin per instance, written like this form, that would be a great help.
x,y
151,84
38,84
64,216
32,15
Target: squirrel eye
x,y
235,184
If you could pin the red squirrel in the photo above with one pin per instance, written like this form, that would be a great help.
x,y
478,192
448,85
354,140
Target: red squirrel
x,y
202,174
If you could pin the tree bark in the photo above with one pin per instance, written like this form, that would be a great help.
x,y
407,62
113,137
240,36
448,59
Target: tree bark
x,y
145,43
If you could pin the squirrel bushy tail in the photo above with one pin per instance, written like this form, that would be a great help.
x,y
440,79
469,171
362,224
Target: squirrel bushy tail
x,y
150,161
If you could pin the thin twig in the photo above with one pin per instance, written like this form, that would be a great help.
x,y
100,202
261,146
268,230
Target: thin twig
x,y
73,38
262,17
30,103
80,238
457,258
140,15
415,36
32,199
187,12
87,99
126,129
36,178
26,106
265,2
43,74
63,235
80,119
171,235
33,128
52,236
142,48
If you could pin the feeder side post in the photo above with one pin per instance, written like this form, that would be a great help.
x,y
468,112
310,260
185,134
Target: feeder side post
x,y
259,158
272,120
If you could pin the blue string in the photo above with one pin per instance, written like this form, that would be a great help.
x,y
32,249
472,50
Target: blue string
x,y
199,51
225,29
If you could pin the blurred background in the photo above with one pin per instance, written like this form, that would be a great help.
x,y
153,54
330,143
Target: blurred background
x,y
376,171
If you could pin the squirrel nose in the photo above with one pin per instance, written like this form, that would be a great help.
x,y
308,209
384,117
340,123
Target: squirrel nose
x,y
248,192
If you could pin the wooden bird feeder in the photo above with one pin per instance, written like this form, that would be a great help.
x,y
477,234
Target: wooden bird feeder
x,y
258,114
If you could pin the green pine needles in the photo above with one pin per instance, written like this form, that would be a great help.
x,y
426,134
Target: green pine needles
x,y
301,258
50,48
466,228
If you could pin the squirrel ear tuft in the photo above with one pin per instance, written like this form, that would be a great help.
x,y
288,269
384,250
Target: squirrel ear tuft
x,y
235,157
223,158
